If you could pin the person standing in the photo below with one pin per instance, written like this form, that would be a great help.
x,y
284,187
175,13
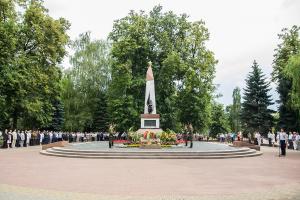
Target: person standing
x,y
28,134
294,140
50,137
258,139
273,139
41,137
22,139
9,140
290,140
297,140
282,138
14,139
59,136
270,138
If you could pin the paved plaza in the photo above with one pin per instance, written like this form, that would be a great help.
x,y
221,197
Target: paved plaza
x,y
27,175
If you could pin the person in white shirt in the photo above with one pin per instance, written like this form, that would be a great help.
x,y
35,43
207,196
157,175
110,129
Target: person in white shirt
x,y
282,138
41,137
258,139
14,139
294,140
28,134
50,137
222,136
9,139
270,138
59,136
22,136
297,141
273,139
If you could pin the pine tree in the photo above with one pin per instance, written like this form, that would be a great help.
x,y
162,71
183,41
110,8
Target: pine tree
x,y
101,117
236,110
255,113
58,116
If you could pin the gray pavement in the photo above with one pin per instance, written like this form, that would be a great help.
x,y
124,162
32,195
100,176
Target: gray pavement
x,y
27,175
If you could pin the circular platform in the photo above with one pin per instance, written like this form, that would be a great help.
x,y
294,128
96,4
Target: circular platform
x,y
200,150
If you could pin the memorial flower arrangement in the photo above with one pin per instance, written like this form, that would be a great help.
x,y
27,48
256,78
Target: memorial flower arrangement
x,y
149,135
168,137
149,138
134,137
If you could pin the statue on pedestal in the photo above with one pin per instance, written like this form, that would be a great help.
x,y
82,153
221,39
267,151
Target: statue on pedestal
x,y
150,105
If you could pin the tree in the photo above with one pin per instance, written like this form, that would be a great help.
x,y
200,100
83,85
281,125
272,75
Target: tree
x,y
292,71
85,85
183,69
33,46
289,46
58,116
236,110
255,114
220,123
101,115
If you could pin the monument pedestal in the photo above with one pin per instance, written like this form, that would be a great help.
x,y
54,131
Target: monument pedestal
x,y
150,122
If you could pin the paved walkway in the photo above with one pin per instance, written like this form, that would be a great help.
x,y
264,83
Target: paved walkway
x,y
27,175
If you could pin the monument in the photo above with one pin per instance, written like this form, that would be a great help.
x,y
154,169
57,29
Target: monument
x,y
150,119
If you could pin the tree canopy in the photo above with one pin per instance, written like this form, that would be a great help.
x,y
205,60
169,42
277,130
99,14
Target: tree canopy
x,y
289,46
220,121
105,85
32,45
183,68
85,85
292,71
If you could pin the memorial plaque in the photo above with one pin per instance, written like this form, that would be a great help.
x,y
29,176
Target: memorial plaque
x,y
150,123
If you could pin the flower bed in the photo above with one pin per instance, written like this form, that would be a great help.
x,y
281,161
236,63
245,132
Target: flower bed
x,y
121,141
138,145
165,139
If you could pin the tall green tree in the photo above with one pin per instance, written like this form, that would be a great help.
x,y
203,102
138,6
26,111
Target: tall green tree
x,y
86,83
289,46
101,115
57,116
220,122
33,46
236,110
256,116
183,69
292,71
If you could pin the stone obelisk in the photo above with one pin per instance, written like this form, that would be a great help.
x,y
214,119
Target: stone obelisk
x,y
150,92
150,119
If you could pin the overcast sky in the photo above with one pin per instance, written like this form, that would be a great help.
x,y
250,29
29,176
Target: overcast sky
x,y
240,30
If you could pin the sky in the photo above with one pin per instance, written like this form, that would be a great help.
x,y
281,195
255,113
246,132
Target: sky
x,y
240,30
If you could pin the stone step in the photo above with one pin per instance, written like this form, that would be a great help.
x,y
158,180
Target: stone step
x,y
149,151
106,153
250,154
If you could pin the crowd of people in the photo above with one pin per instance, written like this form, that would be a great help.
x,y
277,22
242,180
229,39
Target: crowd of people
x,y
20,138
290,140
229,137
25,138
